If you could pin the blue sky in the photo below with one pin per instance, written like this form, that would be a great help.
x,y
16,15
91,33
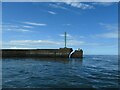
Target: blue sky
x,y
91,26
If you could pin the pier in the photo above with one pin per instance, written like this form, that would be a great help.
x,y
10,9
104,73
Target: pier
x,y
44,53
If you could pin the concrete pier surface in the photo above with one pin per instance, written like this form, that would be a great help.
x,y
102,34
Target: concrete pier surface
x,y
41,53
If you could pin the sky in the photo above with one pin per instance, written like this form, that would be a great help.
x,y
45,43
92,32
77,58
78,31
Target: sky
x,y
91,26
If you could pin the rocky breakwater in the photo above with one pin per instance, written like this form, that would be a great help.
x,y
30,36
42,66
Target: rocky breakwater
x,y
77,54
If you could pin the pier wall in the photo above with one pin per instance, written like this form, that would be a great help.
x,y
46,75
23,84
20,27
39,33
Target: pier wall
x,y
52,53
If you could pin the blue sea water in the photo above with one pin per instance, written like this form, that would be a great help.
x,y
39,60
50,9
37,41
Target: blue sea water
x,y
93,71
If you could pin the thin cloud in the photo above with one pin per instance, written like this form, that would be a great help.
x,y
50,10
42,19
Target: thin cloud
x,y
60,6
6,25
24,30
34,42
103,3
15,28
46,43
28,26
20,48
63,0
112,28
84,0
18,30
68,35
35,24
81,36
73,4
51,12
108,35
76,43
80,5
67,24
57,5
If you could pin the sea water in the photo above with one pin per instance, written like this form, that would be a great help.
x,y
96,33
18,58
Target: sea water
x,y
93,71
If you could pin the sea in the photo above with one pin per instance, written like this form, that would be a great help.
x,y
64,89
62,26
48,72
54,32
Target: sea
x,y
93,71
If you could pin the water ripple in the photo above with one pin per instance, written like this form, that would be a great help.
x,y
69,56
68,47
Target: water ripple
x,y
95,71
